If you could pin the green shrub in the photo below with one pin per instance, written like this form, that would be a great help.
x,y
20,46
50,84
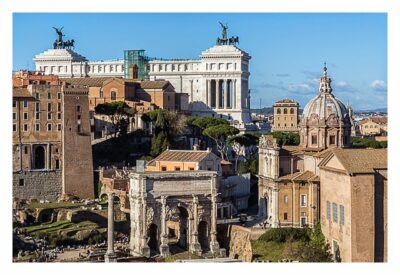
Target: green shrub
x,y
286,234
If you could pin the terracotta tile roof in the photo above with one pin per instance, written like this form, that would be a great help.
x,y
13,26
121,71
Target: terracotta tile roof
x,y
291,150
378,120
359,160
181,156
21,93
323,154
290,176
155,84
87,81
304,176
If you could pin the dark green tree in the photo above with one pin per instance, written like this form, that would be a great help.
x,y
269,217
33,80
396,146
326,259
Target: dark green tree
x,y
219,134
118,113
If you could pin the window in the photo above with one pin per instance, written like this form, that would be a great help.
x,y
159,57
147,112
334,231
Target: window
x,y
48,116
177,168
78,129
58,128
14,116
191,168
49,107
57,164
303,200
14,103
285,111
37,106
25,150
341,214
25,103
101,94
286,199
331,139
314,139
21,182
37,115
49,127
25,127
37,127
163,168
58,115
278,111
285,216
291,111
113,95
78,108
14,127
328,210
334,212
58,96
58,107
48,95
25,116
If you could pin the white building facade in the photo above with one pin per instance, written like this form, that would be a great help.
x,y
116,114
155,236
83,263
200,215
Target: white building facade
x,y
67,64
217,83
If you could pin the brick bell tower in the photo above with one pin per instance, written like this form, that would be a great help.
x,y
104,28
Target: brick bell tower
x,y
76,139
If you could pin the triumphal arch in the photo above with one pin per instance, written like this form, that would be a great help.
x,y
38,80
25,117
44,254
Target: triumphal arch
x,y
177,208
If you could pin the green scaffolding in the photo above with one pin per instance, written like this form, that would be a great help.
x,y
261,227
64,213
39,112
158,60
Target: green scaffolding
x,y
140,59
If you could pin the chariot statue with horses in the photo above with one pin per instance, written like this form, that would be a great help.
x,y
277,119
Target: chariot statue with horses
x,y
59,43
224,40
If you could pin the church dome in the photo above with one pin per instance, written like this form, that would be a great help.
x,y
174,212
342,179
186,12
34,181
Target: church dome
x,y
325,104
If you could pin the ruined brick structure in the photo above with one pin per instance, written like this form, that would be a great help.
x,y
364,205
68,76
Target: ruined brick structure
x,y
51,142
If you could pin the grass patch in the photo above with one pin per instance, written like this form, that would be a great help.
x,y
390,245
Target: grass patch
x,y
273,251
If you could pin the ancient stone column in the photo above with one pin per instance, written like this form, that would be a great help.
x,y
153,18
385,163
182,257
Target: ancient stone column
x,y
164,248
209,94
225,94
217,93
194,245
214,246
234,94
110,254
145,249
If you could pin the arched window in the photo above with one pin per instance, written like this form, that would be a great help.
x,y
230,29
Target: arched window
x,y
285,111
291,111
113,95
278,111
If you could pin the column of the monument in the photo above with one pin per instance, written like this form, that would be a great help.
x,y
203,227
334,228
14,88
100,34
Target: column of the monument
x,y
225,94
195,247
209,103
164,248
145,249
234,94
110,254
217,93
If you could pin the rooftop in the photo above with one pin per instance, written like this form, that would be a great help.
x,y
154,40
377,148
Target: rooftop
x,y
181,156
359,160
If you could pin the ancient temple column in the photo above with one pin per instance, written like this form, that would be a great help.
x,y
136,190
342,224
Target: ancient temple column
x,y
110,254
234,94
164,248
225,94
217,93
274,208
195,247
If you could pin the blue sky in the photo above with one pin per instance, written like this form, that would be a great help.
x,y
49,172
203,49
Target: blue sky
x,y
288,49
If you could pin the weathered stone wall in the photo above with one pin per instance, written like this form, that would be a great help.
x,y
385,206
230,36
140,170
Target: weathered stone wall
x,y
41,185
240,242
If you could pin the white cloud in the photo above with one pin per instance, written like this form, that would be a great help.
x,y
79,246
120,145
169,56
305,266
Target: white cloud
x,y
342,84
302,87
378,85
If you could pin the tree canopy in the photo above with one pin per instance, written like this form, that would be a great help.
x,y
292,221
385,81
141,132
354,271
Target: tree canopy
x,y
220,133
118,113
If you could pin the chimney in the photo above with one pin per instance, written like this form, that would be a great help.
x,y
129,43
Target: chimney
x,y
195,147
